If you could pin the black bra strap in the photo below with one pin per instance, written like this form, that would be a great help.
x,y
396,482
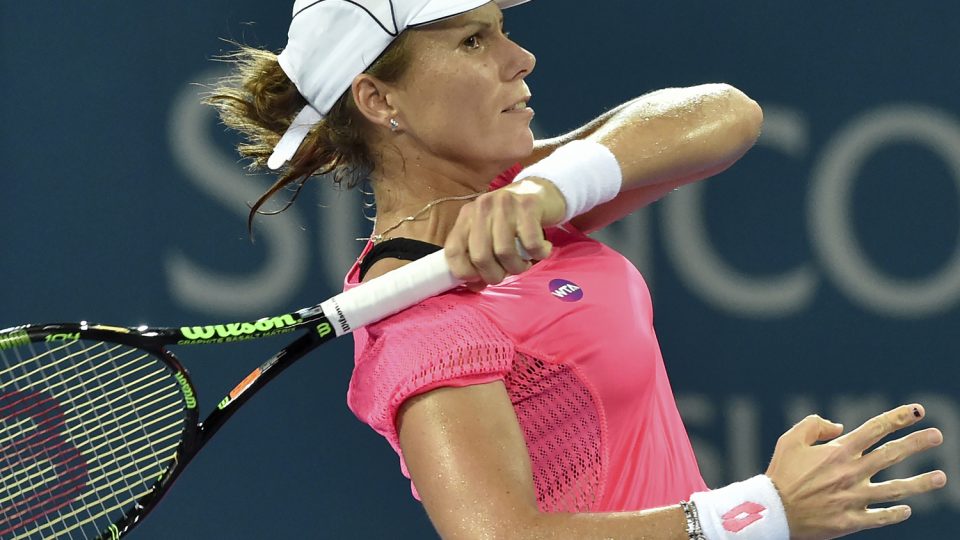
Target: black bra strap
x,y
406,249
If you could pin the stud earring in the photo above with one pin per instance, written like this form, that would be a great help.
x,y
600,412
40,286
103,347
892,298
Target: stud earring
x,y
394,125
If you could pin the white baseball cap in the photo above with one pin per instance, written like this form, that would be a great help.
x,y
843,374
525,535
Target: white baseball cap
x,y
332,41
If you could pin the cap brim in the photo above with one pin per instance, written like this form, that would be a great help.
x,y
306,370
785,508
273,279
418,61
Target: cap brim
x,y
437,11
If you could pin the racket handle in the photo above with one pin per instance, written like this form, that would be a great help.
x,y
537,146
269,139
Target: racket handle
x,y
393,292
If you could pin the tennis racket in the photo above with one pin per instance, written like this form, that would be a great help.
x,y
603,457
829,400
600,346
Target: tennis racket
x,y
96,422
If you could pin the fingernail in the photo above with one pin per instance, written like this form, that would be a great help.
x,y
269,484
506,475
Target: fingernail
x,y
916,412
906,512
935,437
939,479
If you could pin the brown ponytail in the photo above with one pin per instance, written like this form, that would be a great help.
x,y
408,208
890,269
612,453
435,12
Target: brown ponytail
x,y
258,100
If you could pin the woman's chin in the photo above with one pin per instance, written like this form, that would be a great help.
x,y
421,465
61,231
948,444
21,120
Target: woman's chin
x,y
522,145
516,154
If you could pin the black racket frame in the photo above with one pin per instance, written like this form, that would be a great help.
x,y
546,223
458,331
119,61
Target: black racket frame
x,y
155,341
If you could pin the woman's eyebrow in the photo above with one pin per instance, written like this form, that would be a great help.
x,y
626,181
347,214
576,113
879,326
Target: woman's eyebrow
x,y
467,22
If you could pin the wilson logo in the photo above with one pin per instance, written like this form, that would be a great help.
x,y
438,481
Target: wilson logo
x,y
235,330
341,318
566,291
188,395
324,328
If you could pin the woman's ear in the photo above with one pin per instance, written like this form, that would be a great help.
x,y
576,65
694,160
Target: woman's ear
x,y
373,99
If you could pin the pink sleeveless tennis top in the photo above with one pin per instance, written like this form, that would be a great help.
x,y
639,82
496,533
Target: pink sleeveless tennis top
x,y
572,339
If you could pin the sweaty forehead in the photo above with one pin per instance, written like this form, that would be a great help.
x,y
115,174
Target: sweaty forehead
x,y
489,14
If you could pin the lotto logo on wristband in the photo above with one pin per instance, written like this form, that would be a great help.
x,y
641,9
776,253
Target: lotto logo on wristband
x,y
742,516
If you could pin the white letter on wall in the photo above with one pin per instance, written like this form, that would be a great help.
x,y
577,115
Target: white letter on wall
x,y
203,163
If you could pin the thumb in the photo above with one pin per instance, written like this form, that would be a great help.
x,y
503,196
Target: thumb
x,y
813,429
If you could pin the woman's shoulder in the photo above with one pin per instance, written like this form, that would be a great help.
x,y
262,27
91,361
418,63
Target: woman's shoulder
x,y
442,341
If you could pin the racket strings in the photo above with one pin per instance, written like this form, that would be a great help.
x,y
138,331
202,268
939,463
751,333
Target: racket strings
x,y
119,463
107,476
64,395
32,441
85,430
104,451
64,479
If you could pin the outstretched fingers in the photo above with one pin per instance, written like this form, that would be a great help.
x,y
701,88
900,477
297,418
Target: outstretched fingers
x,y
873,518
901,488
826,488
887,455
878,427
894,452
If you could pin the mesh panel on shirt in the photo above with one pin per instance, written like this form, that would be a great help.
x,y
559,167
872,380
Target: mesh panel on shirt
x,y
437,343
562,427
443,343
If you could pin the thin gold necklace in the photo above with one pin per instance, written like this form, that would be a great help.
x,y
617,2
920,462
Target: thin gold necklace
x,y
377,238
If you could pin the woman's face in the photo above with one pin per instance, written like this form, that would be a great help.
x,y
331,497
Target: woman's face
x,y
464,97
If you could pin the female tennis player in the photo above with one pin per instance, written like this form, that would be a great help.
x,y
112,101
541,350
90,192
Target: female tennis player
x,y
536,404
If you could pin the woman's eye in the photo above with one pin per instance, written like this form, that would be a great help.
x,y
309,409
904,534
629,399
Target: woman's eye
x,y
472,42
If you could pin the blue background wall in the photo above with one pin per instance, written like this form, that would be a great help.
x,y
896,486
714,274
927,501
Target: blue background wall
x,y
822,273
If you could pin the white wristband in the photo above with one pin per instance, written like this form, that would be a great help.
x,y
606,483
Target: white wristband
x,y
586,173
748,510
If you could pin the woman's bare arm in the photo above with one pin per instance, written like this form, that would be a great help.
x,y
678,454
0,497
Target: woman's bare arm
x,y
467,456
544,147
661,141
666,139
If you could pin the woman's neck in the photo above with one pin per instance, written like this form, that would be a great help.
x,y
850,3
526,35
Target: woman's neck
x,y
430,222
421,199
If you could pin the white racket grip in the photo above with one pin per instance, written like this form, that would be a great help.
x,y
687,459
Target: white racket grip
x,y
392,292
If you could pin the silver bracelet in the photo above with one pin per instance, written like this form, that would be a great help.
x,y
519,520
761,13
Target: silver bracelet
x,y
694,530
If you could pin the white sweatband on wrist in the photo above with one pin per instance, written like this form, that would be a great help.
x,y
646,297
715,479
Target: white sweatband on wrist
x,y
748,510
586,173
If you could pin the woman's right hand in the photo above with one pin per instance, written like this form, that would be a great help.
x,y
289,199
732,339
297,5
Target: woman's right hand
x,y
826,488
481,248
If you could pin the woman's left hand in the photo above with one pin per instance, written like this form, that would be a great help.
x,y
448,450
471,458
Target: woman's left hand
x,y
482,247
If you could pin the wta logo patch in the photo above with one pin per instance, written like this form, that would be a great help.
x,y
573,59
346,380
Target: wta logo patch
x,y
566,291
